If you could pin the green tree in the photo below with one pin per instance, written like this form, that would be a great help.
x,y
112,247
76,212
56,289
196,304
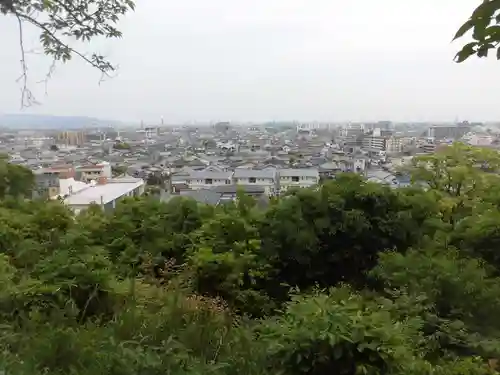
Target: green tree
x,y
15,180
119,170
463,174
335,234
227,262
484,23
479,236
456,297
342,333
121,146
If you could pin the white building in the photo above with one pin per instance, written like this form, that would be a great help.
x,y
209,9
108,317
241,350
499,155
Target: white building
x,y
479,139
373,143
393,145
106,194
359,165
266,178
352,129
314,126
301,178
68,186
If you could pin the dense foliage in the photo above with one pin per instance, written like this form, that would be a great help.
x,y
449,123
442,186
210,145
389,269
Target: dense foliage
x,y
350,277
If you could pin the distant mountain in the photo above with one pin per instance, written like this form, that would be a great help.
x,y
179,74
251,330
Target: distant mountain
x,y
26,121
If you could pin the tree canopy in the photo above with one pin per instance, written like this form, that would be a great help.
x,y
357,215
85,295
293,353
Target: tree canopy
x,y
349,277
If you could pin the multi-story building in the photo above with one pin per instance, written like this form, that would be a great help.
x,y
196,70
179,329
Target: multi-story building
x,y
428,148
71,138
301,178
393,145
351,130
47,180
479,139
449,131
266,178
207,179
373,143
89,172
314,126
351,136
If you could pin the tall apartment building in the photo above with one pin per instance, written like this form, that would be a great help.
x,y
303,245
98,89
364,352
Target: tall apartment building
x,y
314,126
71,138
449,131
394,145
373,143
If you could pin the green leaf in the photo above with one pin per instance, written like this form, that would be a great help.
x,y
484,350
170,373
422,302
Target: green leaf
x,y
493,32
467,51
480,27
464,29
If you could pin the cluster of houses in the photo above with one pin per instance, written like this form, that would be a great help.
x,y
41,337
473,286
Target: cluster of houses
x,y
209,164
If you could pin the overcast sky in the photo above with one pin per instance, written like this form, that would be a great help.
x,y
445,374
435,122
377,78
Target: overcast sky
x,y
209,60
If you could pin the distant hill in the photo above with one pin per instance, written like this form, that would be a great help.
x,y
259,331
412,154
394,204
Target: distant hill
x,y
25,121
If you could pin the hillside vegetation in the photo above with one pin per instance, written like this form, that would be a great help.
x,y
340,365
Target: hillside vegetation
x,y
348,278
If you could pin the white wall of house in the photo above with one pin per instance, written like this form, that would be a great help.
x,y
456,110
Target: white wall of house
x,y
206,183
300,181
269,184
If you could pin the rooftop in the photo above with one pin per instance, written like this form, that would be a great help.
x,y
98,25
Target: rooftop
x,y
310,172
257,173
232,189
102,194
213,175
203,196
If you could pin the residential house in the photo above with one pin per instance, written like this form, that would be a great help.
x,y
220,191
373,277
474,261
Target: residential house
x,y
205,196
228,193
92,172
329,169
47,183
301,178
206,179
266,178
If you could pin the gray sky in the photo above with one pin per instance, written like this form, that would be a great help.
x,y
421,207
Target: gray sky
x,y
208,60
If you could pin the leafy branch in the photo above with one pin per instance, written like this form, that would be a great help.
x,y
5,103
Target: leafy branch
x,y
62,22
484,23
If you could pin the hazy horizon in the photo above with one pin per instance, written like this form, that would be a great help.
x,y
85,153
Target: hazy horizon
x,y
264,60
